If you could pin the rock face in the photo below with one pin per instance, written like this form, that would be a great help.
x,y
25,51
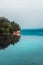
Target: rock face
x,y
16,33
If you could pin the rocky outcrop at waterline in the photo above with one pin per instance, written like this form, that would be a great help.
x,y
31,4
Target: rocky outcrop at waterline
x,y
9,32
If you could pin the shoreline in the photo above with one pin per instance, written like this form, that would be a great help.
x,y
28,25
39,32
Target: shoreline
x,y
17,33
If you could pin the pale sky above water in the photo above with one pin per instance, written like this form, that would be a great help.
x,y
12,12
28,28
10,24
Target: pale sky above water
x,y
28,13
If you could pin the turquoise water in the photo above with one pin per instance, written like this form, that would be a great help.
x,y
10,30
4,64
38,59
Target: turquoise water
x,y
27,32
28,51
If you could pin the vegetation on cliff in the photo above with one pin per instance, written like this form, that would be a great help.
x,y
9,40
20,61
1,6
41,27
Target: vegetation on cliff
x,y
7,26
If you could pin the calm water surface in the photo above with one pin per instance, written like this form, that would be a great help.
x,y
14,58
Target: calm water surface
x,y
28,51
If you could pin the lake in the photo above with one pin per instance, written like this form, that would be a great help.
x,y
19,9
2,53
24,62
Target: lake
x,y
27,51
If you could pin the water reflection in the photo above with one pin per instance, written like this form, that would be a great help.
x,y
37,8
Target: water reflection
x,y
6,40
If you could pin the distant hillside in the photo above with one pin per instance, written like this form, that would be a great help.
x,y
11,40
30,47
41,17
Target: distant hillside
x,y
32,31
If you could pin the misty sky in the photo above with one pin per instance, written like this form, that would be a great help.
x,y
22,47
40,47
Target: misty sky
x,y
28,13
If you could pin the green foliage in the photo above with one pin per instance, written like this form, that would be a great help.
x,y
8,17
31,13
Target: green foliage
x,y
8,26
2,30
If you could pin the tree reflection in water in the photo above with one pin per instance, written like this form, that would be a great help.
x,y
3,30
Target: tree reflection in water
x,y
6,40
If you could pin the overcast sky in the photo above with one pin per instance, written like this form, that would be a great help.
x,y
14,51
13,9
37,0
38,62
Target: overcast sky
x,y
28,13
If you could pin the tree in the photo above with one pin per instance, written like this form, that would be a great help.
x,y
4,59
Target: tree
x,y
8,26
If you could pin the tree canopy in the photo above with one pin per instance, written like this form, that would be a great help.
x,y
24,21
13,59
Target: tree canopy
x,y
7,26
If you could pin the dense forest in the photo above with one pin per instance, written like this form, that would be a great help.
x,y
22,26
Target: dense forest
x,y
7,26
